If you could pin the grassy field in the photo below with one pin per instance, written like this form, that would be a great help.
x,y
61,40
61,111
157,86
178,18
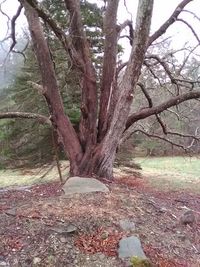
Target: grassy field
x,y
26,177
165,173
172,172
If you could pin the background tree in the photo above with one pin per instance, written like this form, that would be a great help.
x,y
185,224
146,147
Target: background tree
x,y
104,120
27,142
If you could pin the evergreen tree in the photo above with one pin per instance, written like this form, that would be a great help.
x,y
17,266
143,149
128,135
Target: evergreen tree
x,y
26,141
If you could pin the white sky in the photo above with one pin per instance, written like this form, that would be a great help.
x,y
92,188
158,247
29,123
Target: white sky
x,y
162,10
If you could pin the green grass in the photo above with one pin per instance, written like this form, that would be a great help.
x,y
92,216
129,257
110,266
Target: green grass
x,y
27,177
164,173
172,172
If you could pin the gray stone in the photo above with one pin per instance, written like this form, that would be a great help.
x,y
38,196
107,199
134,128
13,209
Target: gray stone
x,y
63,240
130,247
4,264
83,185
188,217
127,225
36,260
12,212
64,229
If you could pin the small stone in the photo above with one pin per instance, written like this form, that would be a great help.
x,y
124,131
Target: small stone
x,y
12,212
64,229
127,225
63,240
36,260
162,210
182,237
4,264
130,247
187,218
71,228
101,256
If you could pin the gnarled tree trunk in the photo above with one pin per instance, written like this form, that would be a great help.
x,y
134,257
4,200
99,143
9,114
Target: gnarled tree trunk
x,y
87,157
92,151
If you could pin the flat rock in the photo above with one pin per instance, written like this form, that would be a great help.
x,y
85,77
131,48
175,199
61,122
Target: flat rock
x,y
4,264
64,229
82,185
130,247
12,212
127,225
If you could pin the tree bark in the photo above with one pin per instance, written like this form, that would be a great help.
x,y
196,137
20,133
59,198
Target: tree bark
x,y
98,163
92,152
130,79
60,121
89,105
109,66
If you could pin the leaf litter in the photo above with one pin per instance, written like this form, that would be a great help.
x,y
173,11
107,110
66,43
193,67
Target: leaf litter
x,y
26,233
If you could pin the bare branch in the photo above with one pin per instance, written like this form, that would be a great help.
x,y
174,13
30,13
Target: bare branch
x,y
163,126
6,15
175,113
185,60
144,113
128,10
131,30
13,21
25,115
168,22
193,140
166,131
65,41
192,13
161,138
146,63
164,65
191,28
146,94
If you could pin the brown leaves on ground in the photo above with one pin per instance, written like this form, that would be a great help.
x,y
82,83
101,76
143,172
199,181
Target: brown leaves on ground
x,y
156,216
28,193
103,240
157,258
12,243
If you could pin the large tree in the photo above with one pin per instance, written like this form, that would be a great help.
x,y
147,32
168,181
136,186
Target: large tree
x,y
26,142
105,111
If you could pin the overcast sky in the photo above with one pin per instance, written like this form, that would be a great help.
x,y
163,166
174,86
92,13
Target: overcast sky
x,y
162,10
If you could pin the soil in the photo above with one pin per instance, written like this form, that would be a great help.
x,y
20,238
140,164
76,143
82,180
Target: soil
x,y
30,220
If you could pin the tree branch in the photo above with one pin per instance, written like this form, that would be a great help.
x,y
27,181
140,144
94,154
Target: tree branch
x,y
51,92
168,22
26,115
13,21
131,75
146,94
190,27
89,103
60,34
131,30
108,85
144,113
161,138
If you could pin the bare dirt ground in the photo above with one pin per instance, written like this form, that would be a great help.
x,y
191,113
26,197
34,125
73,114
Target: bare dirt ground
x,y
31,223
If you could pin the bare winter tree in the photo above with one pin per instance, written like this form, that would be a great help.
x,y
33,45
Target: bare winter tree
x,y
105,120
